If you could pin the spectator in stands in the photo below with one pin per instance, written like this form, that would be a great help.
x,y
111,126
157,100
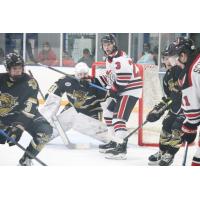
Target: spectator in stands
x,y
87,57
68,60
1,56
47,56
147,56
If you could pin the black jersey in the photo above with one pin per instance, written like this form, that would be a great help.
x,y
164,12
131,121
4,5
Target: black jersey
x,y
18,100
171,88
84,100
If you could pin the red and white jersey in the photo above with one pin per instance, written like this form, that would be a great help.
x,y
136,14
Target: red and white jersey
x,y
191,92
123,74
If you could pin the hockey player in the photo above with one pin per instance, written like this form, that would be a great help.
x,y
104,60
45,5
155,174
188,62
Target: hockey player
x,y
123,80
18,108
170,136
189,81
83,98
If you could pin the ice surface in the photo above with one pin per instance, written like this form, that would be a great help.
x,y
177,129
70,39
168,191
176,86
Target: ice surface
x,y
56,154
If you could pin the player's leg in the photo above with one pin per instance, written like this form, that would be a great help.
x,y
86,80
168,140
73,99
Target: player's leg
x,y
123,109
41,132
165,136
108,116
174,144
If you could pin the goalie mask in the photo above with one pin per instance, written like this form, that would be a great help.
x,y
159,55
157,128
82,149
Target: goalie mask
x,y
14,65
81,70
109,44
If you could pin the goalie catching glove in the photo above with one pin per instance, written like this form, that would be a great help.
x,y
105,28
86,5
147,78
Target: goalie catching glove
x,y
158,110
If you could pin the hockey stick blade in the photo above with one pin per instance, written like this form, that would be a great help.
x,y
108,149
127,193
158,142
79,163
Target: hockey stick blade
x,y
21,147
65,138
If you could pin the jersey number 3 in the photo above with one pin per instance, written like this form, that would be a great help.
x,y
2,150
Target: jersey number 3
x,y
118,65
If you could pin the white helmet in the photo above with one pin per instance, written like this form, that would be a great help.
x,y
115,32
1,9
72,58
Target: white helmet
x,y
81,70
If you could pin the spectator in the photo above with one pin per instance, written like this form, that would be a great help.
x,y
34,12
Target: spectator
x,y
1,56
147,56
87,58
68,60
47,55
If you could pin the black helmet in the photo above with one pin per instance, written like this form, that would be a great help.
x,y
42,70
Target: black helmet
x,y
181,44
13,59
109,38
170,50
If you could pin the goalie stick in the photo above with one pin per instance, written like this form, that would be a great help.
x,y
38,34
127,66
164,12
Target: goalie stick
x,y
65,139
21,147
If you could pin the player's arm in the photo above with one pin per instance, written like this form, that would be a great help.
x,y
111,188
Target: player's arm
x,y
53,99
127,76
101,94
58,88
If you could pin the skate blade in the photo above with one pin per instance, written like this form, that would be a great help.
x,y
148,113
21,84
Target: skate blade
x,y
79,146
116,157
104,150
153,163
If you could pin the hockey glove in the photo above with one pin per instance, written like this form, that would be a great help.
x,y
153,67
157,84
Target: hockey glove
x,y
158,110
15,132
2,139
189,132
113,92
85,83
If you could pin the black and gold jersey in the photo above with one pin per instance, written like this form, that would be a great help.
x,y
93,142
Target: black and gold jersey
x,y
18,99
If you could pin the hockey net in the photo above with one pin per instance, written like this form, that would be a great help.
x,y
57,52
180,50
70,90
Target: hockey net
x,y
148,135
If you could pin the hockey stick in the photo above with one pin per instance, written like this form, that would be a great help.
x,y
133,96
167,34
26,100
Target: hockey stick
x,y
40,91
185,153
65,138
68,75
132,132
159,111
22,148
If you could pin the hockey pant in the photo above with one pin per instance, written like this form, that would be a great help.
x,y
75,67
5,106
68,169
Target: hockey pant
x,y
171,134
41,132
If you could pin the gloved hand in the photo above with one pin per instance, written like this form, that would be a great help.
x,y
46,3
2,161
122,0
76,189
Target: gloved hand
x,y
15,132
158,110
85,83
153,116
2,139
189,132
188,137
113,92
